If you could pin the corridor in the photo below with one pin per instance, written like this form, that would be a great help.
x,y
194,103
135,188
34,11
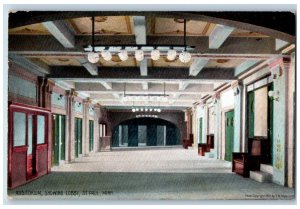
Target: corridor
x,y
148,174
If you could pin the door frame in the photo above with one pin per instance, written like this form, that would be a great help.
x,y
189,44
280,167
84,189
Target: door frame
x,y
222,147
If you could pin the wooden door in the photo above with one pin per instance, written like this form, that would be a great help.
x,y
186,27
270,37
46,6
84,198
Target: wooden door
x,y
76,137
62,137
229,134
200,129
251,114
91,135
55,142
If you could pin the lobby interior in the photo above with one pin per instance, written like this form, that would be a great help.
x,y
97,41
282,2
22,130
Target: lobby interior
x,y
151,105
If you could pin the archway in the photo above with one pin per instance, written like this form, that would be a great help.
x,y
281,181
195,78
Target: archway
x,y
141,132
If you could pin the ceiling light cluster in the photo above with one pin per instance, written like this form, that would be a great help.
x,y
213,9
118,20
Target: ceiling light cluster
x,y
146,109
138,51
159,98
139,55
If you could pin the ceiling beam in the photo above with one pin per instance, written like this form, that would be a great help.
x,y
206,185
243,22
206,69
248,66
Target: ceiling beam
x,y
156,73
283,27
38,68
139,23
66,85
62,31
41,45
145,85
91,68
279,44
97,88
183,85
116,95
144,67
243,67
218,36
197,66
107,85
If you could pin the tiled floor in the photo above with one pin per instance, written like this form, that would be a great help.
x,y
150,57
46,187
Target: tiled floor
x,y
161,174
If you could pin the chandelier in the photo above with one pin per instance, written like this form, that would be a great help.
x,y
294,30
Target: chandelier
x,y
159,97
139,52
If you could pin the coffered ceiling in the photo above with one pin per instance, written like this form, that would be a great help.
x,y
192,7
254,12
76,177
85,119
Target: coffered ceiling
x,y
221,53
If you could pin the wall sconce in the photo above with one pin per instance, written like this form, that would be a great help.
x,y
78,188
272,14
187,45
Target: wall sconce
x,y
60,97
277,72
215,101
274,95
236,91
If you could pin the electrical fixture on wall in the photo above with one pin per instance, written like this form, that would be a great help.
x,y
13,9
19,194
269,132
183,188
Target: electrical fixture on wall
x,y
236,91
274,95
60,97
277,72
139,51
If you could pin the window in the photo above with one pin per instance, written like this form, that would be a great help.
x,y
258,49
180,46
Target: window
x,y
40,129
102,129
19,120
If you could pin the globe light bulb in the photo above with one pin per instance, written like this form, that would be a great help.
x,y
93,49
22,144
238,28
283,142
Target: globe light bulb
x,y
123,55
106,55
133,110
155,54
139,55
171,54
185,57
158,110
93,57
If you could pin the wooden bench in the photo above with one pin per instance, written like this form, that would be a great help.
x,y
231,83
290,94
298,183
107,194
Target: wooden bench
x,y
242,163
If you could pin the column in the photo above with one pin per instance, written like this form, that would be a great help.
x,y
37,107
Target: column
x,y
279,74
238,99
70,150
96,128
291,117
217,125
85,127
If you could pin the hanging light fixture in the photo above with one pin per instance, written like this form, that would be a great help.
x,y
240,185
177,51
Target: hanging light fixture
x,y
139,55
123,55
106,55
155,54
185,56
171,54
93,57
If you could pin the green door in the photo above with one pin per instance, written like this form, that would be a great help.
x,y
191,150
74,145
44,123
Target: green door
x,y
251,114
62,137
270,124
229,134
91,135
200,129
55,152
80,136
77,125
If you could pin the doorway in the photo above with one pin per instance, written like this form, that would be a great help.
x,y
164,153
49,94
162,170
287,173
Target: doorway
x,y
229,134
59,141
91,135
200,129
78,137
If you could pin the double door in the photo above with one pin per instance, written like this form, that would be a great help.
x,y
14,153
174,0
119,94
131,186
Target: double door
x,y
59,139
